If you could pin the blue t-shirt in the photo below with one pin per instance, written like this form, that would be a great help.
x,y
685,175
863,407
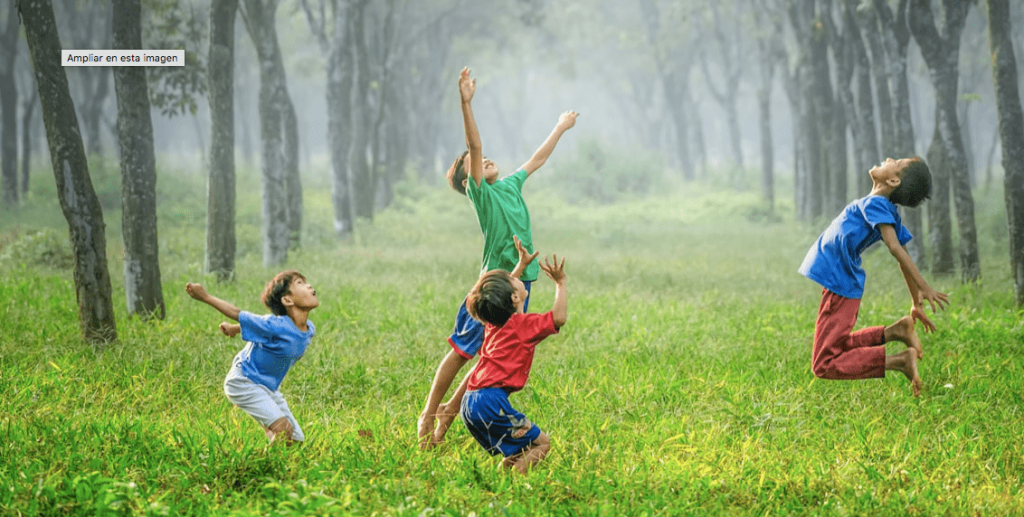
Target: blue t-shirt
x,y
501,212
834,260
274,345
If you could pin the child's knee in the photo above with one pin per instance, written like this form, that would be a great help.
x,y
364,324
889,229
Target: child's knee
x,y
541,442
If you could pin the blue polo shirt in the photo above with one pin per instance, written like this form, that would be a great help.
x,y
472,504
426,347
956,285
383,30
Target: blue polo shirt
x,y
834,259
274,345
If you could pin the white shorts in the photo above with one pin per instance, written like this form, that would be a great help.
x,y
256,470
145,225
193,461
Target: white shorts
x,y
262,404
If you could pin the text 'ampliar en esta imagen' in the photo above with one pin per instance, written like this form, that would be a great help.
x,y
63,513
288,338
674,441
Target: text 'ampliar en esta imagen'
x,y
145,57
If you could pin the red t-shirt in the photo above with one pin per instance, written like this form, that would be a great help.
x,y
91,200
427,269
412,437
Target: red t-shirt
x,y
507,352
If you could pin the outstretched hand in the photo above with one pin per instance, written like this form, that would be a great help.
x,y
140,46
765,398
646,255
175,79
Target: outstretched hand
x,y
467,86
525,258
555,270
933,297
917,312
230,329
196,291
567,119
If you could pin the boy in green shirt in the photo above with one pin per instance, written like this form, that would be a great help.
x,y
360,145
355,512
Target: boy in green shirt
x,y
503,217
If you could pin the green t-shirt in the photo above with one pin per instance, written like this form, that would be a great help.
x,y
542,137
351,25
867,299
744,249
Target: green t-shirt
x,y
502,213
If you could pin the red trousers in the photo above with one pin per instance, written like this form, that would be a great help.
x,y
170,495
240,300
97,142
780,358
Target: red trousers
x,y
838,354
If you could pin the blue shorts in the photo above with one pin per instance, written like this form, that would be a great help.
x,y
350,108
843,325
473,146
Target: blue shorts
x,y
491,419
468,335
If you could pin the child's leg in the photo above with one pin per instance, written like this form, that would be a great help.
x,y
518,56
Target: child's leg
x,y
446,372
296,434
530,456
465,340
906,362
259,403
838,354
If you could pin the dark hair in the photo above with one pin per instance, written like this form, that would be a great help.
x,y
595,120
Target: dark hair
x,y
490,300
457,173
277,288
915,184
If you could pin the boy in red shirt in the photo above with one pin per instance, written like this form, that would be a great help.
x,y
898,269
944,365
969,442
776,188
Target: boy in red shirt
x,y
506,356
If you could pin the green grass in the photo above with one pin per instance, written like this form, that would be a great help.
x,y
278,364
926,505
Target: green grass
x,y
680,385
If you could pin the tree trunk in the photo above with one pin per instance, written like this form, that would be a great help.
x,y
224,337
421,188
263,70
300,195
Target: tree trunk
x,y
892,64
28,109
220,209
293,180
362,182
71,171
259,21
1011,129
142,286
941,52
866,144
940,232
8,110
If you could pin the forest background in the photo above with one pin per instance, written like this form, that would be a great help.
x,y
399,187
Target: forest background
x,y
716,140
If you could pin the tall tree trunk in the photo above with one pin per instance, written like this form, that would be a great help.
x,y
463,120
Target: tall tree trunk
x,y
941,52
940,232
28,110
866,145
892,64
1011,129
8,110
71,171
220,209
362,181
142,287
259,21
731,62
292,178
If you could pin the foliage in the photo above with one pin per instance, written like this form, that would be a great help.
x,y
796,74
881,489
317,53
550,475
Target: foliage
x,y
680,385
603,175
47,247
176,90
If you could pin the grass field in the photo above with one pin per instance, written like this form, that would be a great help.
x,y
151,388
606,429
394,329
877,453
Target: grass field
x,y
680,385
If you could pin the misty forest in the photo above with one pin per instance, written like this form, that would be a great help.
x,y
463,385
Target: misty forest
x,y
716,140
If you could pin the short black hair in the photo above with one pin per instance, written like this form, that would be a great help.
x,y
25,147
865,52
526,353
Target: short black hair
x,y
277,288
915,184
457,173
490,300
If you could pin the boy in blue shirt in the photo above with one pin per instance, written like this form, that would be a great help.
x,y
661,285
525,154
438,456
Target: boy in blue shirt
x,y
503,216
834,262
273,344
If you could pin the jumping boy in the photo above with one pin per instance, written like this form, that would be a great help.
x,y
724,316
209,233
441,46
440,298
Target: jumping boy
x,y
834,262
502,214
498,300
274,343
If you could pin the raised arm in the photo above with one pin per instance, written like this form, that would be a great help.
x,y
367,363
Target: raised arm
x,y
565,121
919,289
198,292
556,272
467,87
524,257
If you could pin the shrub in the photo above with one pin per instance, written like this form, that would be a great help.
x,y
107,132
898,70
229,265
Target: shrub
x,y
603,174
46,247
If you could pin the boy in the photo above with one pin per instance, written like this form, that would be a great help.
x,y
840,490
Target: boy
x,y
502,215
506,356
834,262
274,343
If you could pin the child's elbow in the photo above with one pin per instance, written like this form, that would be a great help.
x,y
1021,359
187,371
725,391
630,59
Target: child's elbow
x,y
559,320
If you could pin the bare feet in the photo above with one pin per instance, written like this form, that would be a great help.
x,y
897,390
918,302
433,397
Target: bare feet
x,y
522,429
903,331
906,362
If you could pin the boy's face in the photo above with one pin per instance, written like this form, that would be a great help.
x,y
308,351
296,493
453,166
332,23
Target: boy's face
x,y
302,295
490,171
889,171
518,294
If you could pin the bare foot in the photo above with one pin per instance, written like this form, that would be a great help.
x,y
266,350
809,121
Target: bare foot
x,y
906,362
524,428
903,330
